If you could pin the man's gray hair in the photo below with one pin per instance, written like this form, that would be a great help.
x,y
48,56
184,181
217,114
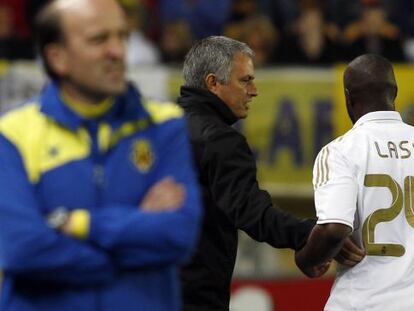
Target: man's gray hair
x,y
212,55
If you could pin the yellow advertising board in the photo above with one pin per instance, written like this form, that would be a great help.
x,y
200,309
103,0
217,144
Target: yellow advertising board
x,y
290,121
296,113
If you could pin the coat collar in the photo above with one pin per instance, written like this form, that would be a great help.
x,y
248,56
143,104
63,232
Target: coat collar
x,y
127,106
205,99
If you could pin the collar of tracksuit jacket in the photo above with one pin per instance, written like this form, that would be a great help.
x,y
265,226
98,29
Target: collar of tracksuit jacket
x,y
192,97
127,106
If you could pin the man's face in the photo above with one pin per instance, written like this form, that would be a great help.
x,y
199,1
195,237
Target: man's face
x,y
240,89
92,55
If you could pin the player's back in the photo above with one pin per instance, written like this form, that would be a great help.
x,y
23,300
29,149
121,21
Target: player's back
x,y
380,154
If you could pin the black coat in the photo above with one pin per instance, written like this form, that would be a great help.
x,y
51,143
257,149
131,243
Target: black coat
x,y
232,200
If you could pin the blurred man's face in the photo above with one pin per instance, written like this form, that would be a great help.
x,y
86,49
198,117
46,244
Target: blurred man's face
x,y
240,90
91,59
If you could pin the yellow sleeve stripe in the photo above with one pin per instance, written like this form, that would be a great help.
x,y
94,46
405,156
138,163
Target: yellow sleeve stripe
x,y
80,223
20,126
161,112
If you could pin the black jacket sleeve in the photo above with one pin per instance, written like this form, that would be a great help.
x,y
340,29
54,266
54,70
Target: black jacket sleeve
x,y
231,171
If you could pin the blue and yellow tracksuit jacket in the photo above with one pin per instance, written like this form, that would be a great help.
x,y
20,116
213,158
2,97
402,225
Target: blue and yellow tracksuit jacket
x,y
127,258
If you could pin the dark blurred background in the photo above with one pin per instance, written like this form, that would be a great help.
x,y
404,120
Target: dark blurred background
x,y
282,32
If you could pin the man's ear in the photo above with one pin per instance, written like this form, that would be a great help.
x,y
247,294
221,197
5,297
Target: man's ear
x,y
352,109
57,58
348,98
211,82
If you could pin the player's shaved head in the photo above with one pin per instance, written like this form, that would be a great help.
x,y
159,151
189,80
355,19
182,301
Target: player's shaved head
x,y
370,85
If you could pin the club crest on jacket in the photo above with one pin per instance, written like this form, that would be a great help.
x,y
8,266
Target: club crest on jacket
x,y
142,155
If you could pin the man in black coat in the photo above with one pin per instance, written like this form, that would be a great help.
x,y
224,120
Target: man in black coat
x,y
219,86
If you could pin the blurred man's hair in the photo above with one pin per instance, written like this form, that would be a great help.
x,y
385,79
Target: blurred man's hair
x,y
48,29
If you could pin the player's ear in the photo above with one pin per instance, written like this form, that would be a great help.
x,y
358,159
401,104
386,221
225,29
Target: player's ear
x,y
348,98
350,106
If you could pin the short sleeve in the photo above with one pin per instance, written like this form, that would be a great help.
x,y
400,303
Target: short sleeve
x,y
335,186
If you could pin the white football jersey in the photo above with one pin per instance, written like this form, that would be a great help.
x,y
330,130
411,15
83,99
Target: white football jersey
x,y
365,179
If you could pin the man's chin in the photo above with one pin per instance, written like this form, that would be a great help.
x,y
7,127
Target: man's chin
x,y
117,89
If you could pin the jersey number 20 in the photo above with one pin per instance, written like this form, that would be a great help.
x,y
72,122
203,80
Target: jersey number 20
x,y
387,214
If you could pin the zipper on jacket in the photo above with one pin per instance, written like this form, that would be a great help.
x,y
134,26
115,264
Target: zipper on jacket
x,y
99,175
98,169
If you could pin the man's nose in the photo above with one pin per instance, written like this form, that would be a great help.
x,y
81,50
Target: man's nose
x,y
116,49
252,91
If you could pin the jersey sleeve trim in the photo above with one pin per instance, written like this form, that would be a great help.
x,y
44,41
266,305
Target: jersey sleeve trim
x,y
335,220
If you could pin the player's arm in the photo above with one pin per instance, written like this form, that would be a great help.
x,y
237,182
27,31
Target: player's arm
x,y
160,231
324,243
335,201
29,248
230,169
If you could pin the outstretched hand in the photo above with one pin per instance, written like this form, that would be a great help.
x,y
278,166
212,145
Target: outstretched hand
x,y
312,271
327,241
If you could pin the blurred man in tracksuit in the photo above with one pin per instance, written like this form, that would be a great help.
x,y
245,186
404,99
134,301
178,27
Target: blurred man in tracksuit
x,y
99,201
